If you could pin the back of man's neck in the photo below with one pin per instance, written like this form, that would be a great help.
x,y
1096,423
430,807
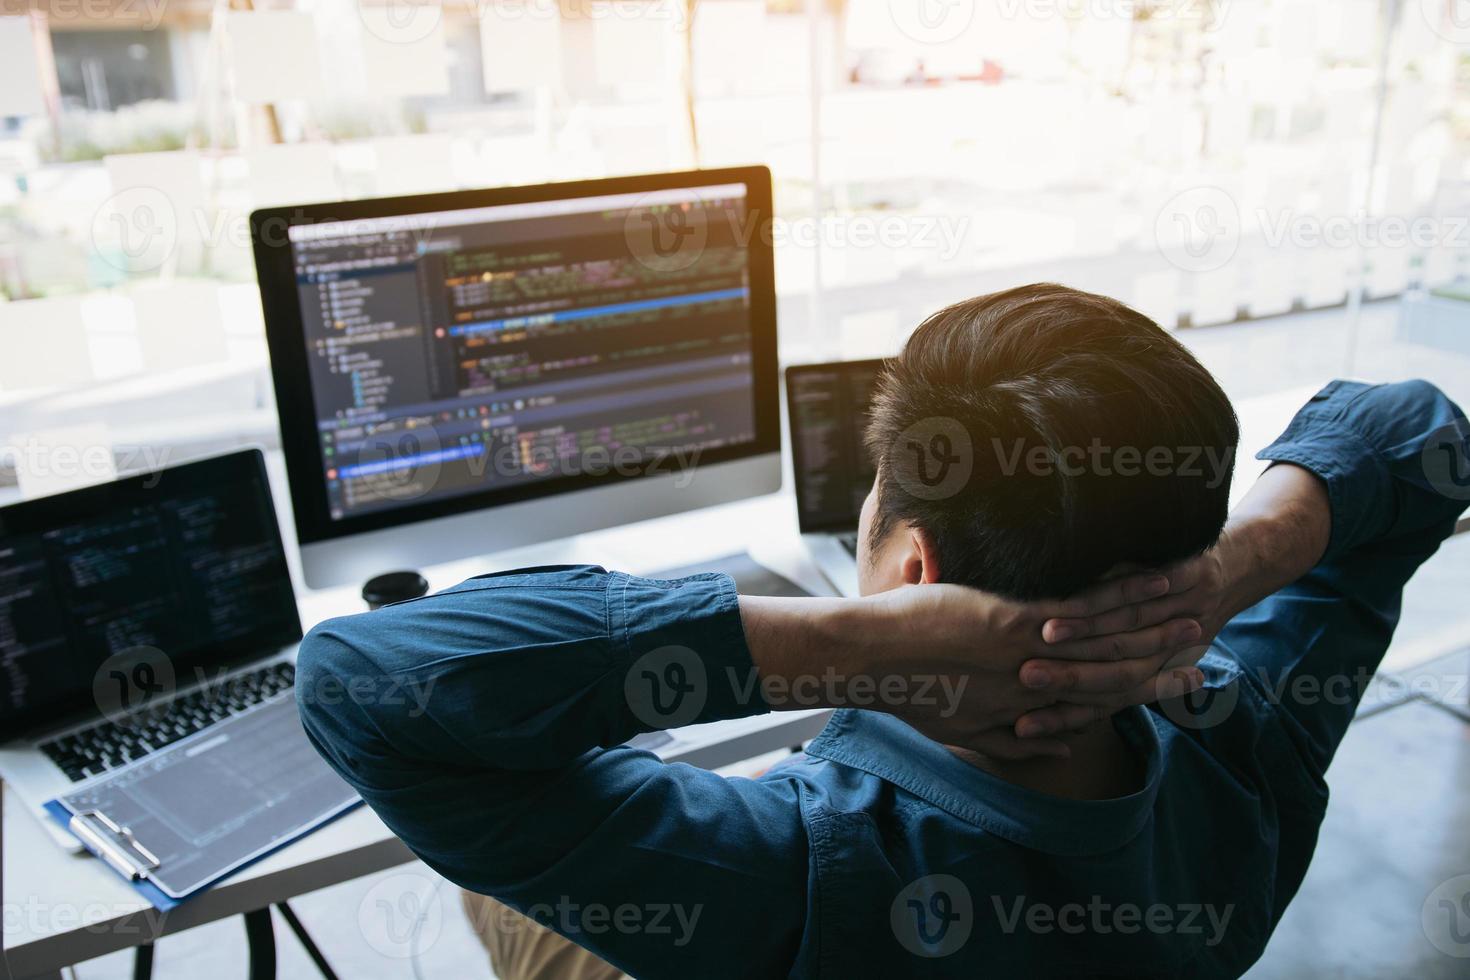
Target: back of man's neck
x,y
1102,766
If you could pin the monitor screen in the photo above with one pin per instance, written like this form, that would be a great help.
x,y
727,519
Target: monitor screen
x,y
187,562
479,350
829,405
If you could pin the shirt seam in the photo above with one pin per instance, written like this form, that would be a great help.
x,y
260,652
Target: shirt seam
x,y
934,795
623,626
819,833
1264,703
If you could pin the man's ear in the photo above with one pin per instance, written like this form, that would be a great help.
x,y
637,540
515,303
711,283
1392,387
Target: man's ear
x,y
921,558
929,548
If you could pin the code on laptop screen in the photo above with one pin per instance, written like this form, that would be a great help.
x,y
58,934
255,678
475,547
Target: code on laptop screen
x,y
829,407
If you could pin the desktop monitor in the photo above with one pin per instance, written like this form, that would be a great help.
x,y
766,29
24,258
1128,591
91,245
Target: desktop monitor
x,y
462,373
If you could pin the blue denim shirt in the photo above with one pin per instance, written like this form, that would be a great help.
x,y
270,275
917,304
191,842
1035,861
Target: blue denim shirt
x,y
484,723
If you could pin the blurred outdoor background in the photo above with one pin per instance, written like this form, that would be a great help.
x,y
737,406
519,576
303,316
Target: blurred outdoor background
x,y
1293,175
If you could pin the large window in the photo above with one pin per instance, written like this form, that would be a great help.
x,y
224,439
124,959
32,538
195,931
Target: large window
x,y
1216,164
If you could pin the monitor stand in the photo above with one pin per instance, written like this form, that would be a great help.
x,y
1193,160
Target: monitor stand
x,y
751,577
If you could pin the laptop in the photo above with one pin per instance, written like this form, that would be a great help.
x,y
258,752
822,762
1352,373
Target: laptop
x,y
827,406
134,614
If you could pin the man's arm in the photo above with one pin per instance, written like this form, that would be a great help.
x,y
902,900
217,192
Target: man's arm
x,y
482,725
472,722
947,659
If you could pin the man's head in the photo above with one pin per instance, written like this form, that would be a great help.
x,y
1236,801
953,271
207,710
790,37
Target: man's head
x,y
1029,441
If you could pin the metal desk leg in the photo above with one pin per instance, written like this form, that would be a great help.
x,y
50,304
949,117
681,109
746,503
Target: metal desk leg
x,y
261,938
289,915
143,962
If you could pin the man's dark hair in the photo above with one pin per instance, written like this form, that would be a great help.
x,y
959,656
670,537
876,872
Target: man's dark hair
x,y
1042,435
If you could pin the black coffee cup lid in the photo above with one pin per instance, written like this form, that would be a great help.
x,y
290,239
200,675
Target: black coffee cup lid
x,y
394,587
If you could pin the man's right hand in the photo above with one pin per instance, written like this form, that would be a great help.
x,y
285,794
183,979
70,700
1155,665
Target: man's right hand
x,y
927,639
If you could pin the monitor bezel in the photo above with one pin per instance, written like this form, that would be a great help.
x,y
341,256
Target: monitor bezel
x,y
87,503
286,342
798,461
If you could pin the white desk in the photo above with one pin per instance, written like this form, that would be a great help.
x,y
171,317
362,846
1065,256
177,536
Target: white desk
x,y
61,909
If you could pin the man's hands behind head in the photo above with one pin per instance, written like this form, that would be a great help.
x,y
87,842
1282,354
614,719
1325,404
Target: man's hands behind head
x,y
994,655
1081,641
1274,536
1015,675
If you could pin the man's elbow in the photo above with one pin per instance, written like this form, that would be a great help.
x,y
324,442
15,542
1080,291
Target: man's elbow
x,y
327,657
1444,450
1420,403
331,674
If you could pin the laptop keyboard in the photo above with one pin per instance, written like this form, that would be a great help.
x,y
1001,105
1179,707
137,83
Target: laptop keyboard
x,y
849,541
108,744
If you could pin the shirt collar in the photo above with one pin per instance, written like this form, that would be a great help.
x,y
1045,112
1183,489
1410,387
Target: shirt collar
x,y
885,747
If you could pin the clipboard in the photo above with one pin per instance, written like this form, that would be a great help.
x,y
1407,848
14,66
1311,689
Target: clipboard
x,y
180,819
115,845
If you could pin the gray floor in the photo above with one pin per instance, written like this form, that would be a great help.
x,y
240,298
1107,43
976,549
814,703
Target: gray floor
x,y
1393,845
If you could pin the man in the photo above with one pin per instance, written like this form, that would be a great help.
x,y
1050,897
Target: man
x,y
1035,821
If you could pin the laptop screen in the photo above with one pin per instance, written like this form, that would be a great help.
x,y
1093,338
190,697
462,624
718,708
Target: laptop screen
x,y
182,567
828,407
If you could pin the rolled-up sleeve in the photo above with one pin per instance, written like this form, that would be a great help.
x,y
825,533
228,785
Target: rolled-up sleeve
x,y
1373,446
483,724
